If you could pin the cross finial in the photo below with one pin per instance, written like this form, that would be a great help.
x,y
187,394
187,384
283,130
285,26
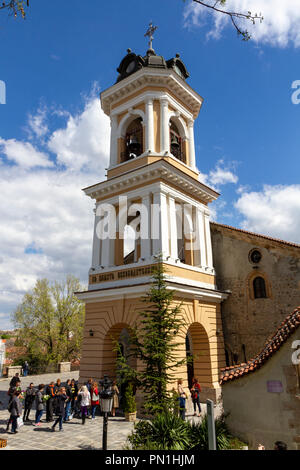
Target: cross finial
x,y
150,32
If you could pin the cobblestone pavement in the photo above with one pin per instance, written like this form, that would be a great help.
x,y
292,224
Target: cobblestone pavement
x,y
75,435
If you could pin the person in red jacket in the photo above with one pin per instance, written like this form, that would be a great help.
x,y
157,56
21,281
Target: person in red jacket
x,y
94,398
195,391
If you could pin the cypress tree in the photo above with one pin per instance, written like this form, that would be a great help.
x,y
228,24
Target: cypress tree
x,y
153,342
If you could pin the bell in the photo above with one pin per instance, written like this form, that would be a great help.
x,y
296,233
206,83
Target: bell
x,y
174,142
133,146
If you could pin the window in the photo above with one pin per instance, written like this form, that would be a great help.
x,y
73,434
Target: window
x,y
255,256
259,288
133,141
176,143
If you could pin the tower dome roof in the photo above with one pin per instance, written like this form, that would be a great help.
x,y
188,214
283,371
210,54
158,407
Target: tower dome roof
x,y
131,63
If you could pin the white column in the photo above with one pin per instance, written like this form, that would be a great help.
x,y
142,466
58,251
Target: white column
x,y
173,229
149,125
113,141
107,252
106,232
208,240
200,233
164,126
96,244
192,155
146,227
159,225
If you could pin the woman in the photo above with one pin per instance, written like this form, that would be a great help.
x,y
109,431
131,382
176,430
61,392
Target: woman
x,y
116,398
15,410
39,405
195,392
73,396
182,398
94,398
85,401
60,400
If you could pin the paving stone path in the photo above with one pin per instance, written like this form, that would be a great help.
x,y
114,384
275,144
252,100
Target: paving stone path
x,y
75,435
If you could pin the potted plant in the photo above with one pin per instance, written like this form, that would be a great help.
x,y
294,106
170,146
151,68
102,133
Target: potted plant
x,y
130,404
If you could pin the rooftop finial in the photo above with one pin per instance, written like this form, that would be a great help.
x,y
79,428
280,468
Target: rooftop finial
x,y
149,33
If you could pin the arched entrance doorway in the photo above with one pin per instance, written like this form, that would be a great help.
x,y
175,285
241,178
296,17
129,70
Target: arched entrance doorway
x,y
198,348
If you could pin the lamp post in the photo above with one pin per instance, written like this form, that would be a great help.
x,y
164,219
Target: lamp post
x,y
106,401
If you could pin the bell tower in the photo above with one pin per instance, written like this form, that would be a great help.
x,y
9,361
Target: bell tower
x,y
152,204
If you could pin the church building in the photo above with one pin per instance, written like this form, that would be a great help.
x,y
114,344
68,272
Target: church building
x,y
235,287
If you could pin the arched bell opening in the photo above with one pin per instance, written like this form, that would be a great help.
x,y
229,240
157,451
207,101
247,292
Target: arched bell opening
x,y
133,140
177,148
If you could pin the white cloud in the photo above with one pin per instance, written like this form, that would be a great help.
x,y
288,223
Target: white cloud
x,y
281,25
275,211
24,154
37,125
46,221
222,174
84,142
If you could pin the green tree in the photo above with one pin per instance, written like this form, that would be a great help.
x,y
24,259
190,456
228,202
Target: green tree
x,y
15,7
153,343
50,321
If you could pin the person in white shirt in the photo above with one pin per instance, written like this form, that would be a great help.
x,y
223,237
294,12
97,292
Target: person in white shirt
x,y
85,401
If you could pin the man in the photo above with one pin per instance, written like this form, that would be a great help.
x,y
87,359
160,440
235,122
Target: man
x,y
60,401
15,409
279,445
68,401
10,393
25,369
57,386
29,399
49,405
14,380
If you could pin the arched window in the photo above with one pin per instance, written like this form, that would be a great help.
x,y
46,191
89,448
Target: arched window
x,y
133,141
176,147
259,288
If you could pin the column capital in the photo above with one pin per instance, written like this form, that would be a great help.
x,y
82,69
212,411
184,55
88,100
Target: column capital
x,y
164,101
191,123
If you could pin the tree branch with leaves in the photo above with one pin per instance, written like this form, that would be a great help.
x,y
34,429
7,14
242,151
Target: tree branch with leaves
x,y
235,17
15,7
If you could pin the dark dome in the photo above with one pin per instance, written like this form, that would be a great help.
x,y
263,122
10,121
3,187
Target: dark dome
x,y
132,63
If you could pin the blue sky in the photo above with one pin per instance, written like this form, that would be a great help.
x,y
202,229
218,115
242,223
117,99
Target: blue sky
x,y
54,138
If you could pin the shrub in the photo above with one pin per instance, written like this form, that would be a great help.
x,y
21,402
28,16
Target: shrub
x,y
165,432
169,432
130,404
199,435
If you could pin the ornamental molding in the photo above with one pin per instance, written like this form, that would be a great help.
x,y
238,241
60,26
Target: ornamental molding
x,y
148,173
159,78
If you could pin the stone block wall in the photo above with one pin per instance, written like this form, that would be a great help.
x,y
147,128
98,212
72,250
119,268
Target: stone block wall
x,y
248,322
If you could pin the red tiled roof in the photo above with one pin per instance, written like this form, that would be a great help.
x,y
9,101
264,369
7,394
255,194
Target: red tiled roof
x,y
266,237
286,329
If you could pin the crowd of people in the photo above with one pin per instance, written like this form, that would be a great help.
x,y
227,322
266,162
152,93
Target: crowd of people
x,y
61,402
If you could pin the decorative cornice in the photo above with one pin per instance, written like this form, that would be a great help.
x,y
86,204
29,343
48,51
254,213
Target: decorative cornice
x,y
145,77
148,173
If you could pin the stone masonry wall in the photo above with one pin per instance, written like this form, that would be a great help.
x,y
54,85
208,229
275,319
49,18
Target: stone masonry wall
x,y
248,322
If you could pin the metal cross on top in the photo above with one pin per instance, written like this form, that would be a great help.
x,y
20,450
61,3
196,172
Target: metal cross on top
x,y
150,32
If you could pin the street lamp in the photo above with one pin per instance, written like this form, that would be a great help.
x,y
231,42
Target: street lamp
x,y
106,403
